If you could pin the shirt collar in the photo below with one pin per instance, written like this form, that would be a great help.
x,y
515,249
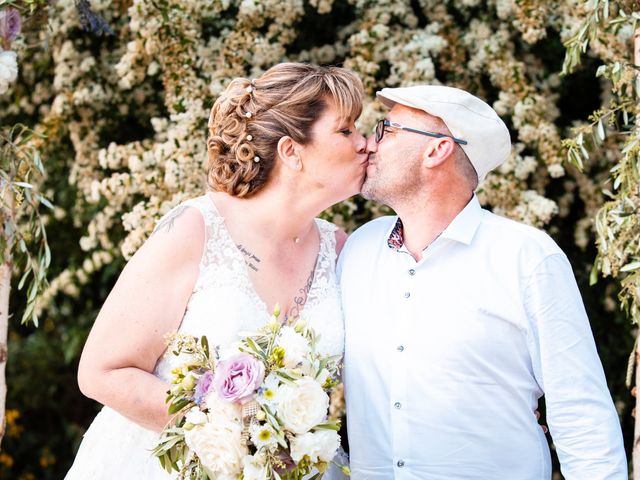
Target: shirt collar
x,y
461,229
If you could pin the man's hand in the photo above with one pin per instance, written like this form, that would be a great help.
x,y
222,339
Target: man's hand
x,y
543,427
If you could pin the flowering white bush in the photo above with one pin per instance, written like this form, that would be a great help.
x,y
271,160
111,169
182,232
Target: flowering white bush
x,y
8,70
165,63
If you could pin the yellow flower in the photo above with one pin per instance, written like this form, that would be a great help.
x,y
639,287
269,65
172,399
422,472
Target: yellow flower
x,y
6,460
265,435
13,429
268,394
47,458
277,356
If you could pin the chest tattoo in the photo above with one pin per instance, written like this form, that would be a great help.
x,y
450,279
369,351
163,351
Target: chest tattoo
x,y
249,258
299,301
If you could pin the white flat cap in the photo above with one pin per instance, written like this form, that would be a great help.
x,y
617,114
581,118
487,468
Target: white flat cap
x,y
467,117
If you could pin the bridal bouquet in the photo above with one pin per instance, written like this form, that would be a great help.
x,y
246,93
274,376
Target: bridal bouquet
x,y
254,410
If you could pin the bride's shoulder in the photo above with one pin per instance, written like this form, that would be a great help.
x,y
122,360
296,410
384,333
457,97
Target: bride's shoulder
x,y
191,215
179,233
185,218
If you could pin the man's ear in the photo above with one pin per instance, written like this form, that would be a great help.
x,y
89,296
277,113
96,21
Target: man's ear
x,y
289,153
437,152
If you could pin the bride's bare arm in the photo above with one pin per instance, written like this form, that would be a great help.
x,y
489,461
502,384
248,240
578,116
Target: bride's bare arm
x,y
146,303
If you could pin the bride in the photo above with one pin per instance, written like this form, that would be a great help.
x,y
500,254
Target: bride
x,y
281,149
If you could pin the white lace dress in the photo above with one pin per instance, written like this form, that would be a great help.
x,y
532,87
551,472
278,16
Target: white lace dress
x,y
223,303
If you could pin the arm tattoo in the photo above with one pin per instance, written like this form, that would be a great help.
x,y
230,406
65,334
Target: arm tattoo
x,y
300,301
170,219
249,258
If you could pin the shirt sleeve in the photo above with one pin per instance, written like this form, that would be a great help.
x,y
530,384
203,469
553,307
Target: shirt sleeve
x,y
582,420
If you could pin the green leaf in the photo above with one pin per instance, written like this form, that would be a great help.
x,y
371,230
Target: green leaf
x,y
28,314
601,133
24,277
37,161
205,345
328,426
617,182
593,276
630,266
44,201
47,255
584,152
178,405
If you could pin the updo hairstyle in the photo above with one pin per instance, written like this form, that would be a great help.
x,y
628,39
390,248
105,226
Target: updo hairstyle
x,y
250,117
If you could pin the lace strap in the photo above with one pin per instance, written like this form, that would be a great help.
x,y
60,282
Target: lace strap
x,y
203,204
327,239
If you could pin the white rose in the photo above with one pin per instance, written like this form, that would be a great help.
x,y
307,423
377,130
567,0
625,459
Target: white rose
x,y
218,443
8,70
303,405
195,416
323,376
295,346
318,446
253,469
221,411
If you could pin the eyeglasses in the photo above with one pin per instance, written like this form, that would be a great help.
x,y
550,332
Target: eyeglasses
x,y
384,123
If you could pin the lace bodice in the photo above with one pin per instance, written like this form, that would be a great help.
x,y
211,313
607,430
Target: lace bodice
x,y
224,302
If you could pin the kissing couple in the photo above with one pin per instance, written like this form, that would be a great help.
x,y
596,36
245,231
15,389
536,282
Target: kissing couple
x,y
453,321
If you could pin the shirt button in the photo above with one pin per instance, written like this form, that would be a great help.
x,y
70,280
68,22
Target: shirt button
x,y
407,294
400,348
398,405
412,272
400,463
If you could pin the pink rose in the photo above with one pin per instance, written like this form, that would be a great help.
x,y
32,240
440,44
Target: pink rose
x,y
10,24
236,379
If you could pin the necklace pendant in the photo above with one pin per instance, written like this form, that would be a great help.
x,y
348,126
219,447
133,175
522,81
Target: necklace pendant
x,y
296,240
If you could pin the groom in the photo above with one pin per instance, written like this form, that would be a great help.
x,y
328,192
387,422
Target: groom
x,y
458,320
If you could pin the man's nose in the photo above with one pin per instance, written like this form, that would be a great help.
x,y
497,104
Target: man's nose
x,y
372,145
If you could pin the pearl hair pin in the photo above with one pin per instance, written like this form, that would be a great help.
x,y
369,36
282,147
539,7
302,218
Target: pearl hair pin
x,y
256,159
249,89
248,114
249,138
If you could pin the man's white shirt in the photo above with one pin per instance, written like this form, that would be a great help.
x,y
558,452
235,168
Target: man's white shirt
x,y
446,358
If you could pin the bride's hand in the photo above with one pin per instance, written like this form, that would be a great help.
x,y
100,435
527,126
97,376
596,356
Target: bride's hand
x,y
542,426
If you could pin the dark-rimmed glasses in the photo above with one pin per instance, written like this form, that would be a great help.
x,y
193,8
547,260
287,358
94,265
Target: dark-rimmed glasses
x,y
384,123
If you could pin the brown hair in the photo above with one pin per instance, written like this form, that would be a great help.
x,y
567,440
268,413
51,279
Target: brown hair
x,y
250,117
